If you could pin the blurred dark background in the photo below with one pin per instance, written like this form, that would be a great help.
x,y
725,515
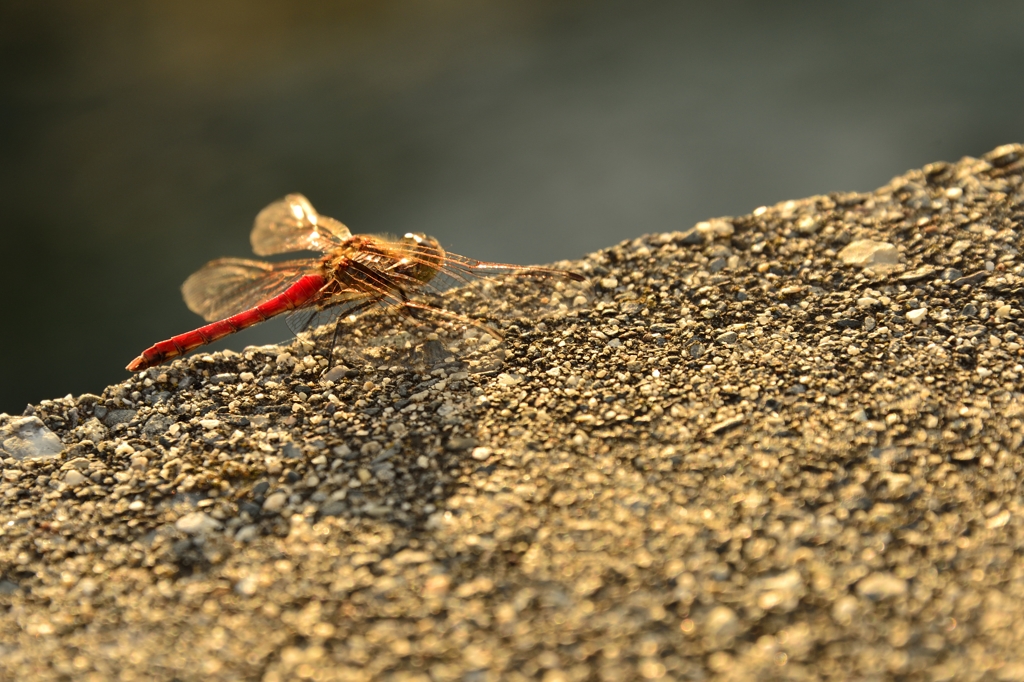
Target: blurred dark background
x,y
139,139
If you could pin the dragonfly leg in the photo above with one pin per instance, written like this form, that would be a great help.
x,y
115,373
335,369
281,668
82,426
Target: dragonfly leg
x,y
329,350
334,344
409,306
409,314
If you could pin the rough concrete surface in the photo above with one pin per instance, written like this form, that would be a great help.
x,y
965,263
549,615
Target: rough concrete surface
x,y
785,445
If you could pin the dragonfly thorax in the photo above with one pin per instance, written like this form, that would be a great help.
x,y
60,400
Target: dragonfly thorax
x,y
378,264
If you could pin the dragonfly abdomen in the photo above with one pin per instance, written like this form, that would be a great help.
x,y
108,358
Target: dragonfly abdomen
x,y
296,296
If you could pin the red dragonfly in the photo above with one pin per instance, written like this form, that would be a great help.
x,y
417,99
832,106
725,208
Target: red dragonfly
x,y
355,273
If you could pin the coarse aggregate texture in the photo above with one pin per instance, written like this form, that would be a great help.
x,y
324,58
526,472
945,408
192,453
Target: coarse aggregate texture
x,y
785,445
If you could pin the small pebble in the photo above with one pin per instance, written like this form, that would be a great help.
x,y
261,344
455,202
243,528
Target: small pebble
x,y
248,585
881,585
868,253
28,437
917,316
275,502
481,453
246,533
197,523
721,627
727,339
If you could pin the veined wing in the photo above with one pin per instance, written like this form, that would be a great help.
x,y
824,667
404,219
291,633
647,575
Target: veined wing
x,y
292,224
451,270
459,270
227,286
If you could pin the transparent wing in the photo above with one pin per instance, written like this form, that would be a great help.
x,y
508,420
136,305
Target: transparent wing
x,y
292,224
454,271
227,286
459,270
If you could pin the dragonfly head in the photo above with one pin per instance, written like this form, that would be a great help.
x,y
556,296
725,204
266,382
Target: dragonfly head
x,y
424,258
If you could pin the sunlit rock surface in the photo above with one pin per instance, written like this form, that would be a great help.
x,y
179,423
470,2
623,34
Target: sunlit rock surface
x,y
739,455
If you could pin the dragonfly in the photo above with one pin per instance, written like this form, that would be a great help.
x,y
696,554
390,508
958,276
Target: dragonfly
x,y
355,273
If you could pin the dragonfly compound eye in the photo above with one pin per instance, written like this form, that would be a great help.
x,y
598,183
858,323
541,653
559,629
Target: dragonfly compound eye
x,y
425,259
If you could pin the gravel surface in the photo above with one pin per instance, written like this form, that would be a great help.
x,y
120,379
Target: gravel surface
x,y
781,445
